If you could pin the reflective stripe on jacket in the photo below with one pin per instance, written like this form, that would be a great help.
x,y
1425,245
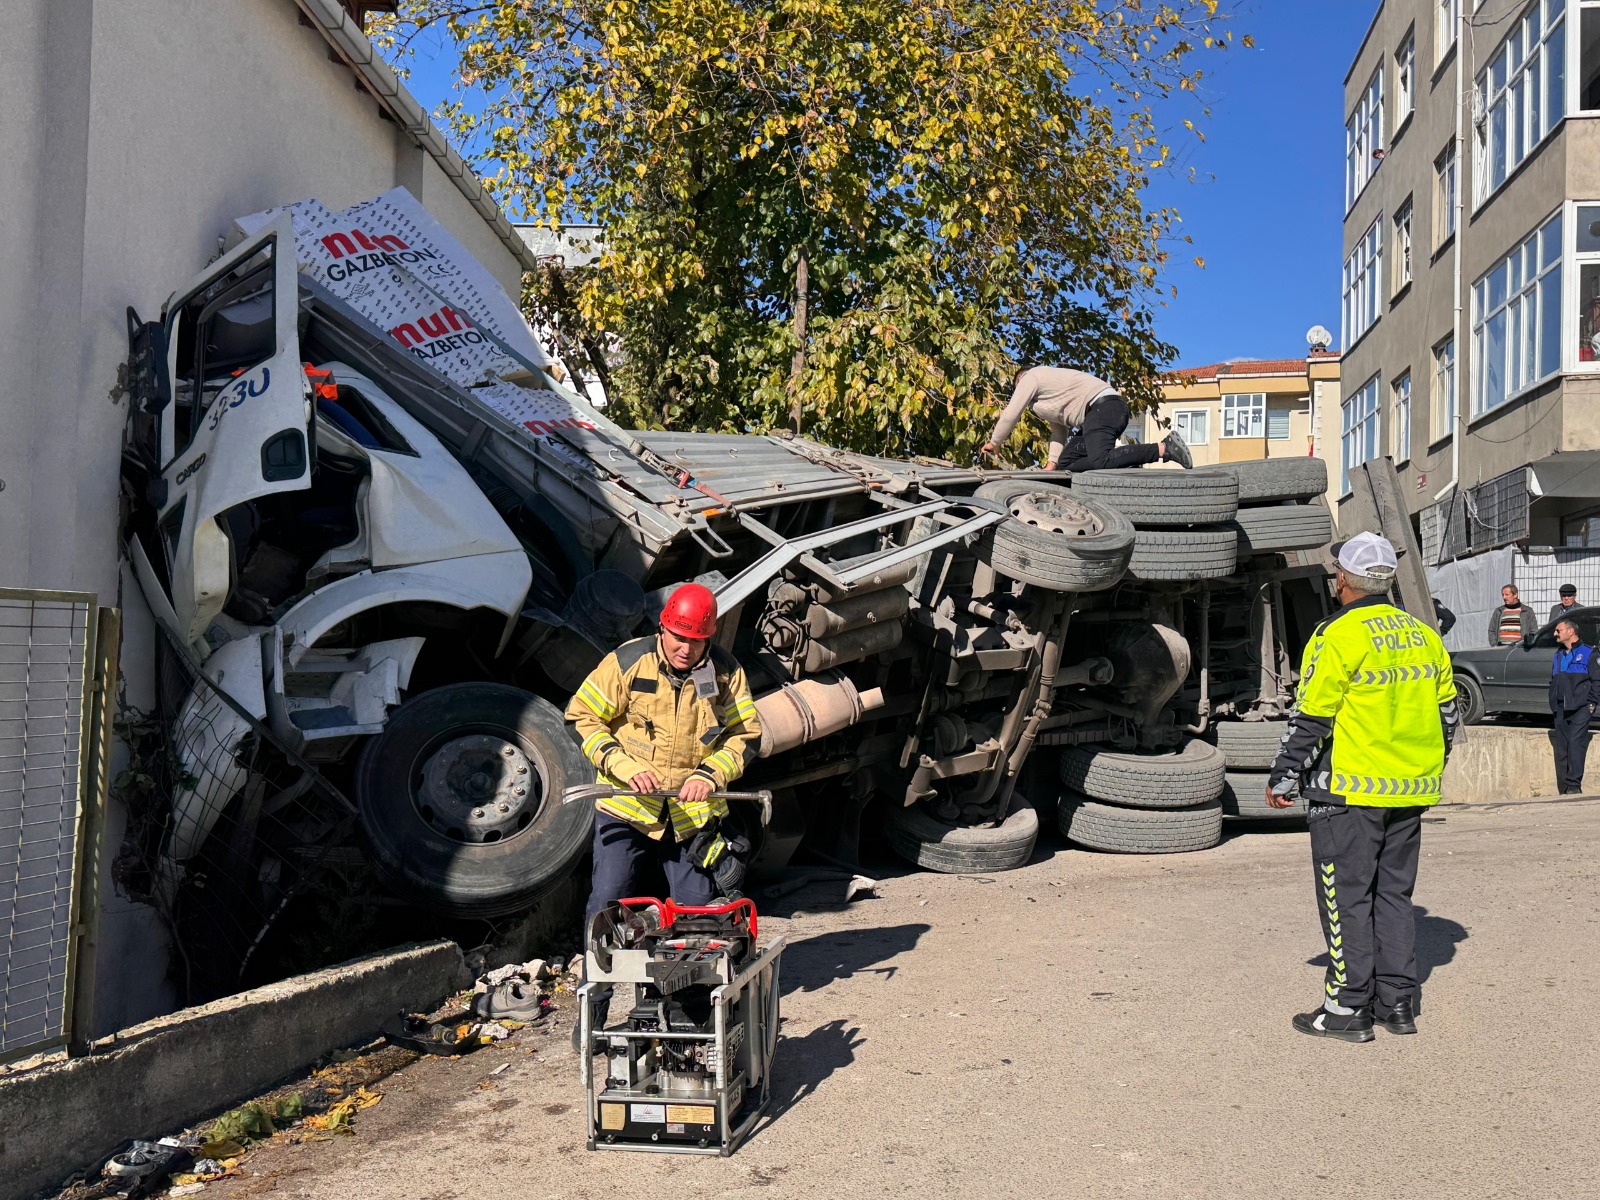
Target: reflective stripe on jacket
x,y
1376,710
634,714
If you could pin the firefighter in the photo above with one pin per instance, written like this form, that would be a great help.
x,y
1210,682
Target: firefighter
x,y
667,714
1367,745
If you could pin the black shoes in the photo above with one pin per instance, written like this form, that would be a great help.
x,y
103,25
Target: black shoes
x,y
1178,450
1400,1018
1356,1027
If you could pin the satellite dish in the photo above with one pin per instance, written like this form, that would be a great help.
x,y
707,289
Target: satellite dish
x,y
1318,338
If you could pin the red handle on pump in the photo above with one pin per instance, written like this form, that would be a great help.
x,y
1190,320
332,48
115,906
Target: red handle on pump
x,y
670,912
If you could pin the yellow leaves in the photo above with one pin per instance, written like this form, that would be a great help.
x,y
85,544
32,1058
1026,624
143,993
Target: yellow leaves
x,y
340,1117
1199,262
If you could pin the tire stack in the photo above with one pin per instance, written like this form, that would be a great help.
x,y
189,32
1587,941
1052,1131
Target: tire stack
x,y
1276,513
1247,749
1142,803
1184,528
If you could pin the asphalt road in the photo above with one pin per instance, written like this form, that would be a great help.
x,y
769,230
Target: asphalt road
x,y
1090,1026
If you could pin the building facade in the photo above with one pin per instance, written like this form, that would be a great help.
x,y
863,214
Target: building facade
x,y
1254,408
1471,283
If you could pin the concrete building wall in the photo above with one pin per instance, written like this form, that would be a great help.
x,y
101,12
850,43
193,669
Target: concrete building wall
x,y
136,131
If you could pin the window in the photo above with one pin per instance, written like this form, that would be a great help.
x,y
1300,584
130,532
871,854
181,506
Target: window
x,y
1360,430
1244,415
1363,284
1363,134
1277,424
1444,389
1587,336
1400,419
1444,195
1193,425
1520,96
1402,246
1516,319
1589,59
1405,72
1446,15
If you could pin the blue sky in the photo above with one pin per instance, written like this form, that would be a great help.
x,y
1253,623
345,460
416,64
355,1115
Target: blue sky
x,y
1267,205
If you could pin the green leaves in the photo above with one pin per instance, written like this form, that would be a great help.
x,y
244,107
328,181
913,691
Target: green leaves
x,y
963,175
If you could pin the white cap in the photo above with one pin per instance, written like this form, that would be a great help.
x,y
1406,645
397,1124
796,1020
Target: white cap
x,y
1368,555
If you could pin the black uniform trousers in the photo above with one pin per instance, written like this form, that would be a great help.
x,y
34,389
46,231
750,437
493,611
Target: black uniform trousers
x,y
1571,738
1366,867
1094,447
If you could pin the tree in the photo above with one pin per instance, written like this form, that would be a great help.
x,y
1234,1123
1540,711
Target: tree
x,y
851,217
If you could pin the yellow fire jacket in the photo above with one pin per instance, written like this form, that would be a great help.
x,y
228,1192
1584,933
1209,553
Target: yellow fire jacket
x,y
635,714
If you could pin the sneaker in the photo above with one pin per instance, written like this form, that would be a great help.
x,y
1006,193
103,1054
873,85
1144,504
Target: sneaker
x,y
1398,1018
1356,1027
1178,450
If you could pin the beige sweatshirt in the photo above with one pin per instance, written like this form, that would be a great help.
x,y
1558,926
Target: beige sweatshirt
x,y
1059,396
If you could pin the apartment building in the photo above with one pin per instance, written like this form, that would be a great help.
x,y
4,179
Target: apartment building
x,y
1471,282
1254,408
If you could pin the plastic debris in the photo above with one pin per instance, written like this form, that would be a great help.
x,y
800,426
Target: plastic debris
x,y
186,1189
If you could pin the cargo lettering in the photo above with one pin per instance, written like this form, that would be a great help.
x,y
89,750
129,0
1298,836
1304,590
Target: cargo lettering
x,y
438,333
338,271
546,428
342,245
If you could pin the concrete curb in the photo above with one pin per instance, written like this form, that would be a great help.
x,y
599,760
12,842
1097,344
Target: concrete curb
x,y
157,1077
1498,763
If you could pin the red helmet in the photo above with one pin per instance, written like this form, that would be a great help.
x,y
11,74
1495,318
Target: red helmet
x,y
690,612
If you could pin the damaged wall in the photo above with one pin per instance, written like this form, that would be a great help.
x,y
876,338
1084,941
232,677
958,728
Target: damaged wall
x,y
136,131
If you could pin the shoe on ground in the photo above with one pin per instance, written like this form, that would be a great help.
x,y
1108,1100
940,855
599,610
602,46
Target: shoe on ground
x,y
1178,451
1356,1027
1397,1018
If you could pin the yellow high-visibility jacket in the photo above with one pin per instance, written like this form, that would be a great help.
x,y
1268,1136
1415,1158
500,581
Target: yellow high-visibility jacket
x,y
633,714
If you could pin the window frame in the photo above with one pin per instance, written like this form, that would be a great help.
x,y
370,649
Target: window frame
x,y
1499,92
1446,16
1571,290
1366,426
1400,418
1203,413
1522,306
1363,135
1442,430
1446,190
1363,283
1404,246
1255,410
1288,422
1405,81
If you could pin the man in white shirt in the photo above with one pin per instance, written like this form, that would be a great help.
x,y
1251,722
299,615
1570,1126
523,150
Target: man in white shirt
x,y
1087,418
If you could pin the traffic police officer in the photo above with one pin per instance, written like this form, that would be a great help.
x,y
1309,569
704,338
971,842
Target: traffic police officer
x,y
1574,692
672,715
1367,745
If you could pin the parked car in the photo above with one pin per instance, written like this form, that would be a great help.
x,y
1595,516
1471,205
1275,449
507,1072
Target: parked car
x,y
1516,678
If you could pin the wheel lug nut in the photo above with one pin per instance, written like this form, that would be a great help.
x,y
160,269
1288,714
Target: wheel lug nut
x,y
477,812
521,791
508,751
505,808
522,769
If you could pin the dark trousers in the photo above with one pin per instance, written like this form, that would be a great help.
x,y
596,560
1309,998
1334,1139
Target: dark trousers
x,y
1094,447
1571,738
1366,867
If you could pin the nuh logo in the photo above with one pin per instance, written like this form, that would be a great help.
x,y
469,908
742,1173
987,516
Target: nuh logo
x,y
341,244
436,327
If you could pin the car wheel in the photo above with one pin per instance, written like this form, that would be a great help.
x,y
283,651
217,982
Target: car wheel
x,y
1139,830
1055,539
459,799
920,837
1163,497
1469,697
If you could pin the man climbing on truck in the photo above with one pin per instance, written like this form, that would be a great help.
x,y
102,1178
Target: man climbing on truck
x,y
1087,417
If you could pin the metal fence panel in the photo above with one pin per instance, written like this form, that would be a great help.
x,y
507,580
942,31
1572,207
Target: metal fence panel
x,y
46,659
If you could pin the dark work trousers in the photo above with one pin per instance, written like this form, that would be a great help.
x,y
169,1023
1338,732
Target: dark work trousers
x,y
621,854
1366,866
1094,447
1571,738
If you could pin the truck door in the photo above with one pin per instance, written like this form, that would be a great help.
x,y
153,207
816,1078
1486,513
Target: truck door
x,y
237,424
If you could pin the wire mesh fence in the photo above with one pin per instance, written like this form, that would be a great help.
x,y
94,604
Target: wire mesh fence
x,y
45,655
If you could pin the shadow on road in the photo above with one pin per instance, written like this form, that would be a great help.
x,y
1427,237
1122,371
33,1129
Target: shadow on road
x,y
812,964
1437,939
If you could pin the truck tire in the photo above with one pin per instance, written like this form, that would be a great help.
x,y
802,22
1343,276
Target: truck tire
x,y
1245,799
1055,539
1469,699
1275,527
1163,497
920,837
1183,555
1270,479
1181,779
1137,830
417,784
1249,745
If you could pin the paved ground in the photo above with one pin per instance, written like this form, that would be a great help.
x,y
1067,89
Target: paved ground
x,y
1092,1026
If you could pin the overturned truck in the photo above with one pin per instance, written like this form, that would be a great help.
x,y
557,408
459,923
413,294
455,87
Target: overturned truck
x,y
393,544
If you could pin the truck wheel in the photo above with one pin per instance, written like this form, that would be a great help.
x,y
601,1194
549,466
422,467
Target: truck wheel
x,y
1203,497
1177,779
1469,698
459,800
1137,830
1279,479
921,838
1055,539
1244,798
1183,555
1249,745
1277,527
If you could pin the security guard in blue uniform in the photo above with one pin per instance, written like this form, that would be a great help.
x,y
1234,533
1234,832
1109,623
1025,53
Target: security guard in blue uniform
x,y
1366,746
1574,692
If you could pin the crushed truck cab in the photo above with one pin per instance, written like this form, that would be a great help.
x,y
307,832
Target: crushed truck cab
x,y
363,505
